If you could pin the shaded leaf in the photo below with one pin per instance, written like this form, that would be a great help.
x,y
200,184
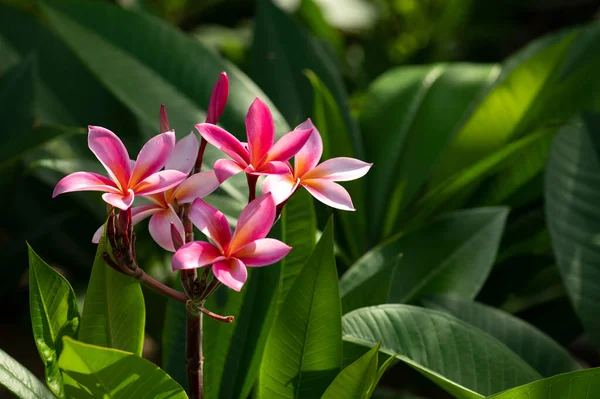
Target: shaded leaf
x,y
354,381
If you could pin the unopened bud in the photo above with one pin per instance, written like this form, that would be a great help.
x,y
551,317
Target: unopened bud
x,y
218,99
164,121
176,237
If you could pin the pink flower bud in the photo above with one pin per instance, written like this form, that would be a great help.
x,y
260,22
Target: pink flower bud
x,y
218,99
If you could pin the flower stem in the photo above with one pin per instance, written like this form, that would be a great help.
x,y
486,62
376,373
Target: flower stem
x,y
251,186
193,352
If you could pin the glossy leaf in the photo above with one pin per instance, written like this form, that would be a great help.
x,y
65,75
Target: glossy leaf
x,y
466,243
571,196
299,231
354,381
453,354
54,314
113,313
532,345
93,371
304,349
583,384
20,381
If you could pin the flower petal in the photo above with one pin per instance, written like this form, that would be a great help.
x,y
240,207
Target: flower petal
x,y
97,235
198,185
211,222
84,181
160,228
339,169
118,200
164,120
231,272
254,222
184,155
218,99
329,193
225,168
224,141
152,157
138,213
280,186
272,168
263,252
287,146
159,181
260,129
111,153
308,157
193,255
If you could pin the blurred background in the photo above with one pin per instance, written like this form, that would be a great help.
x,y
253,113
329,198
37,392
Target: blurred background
x,y
48,78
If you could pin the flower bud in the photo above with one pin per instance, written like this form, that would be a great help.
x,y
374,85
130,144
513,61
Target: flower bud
x,y
218,99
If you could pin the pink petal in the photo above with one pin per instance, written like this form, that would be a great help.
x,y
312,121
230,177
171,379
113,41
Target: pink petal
x,y
260,129
218,99
280,186
138,213
339,169
263,252
231,272
152,157
111,153
287,146
198,185
329,193
254,222
225,168
160,228
84,181
159,181
224,141
184,155
164,121
272,168
118,200
193,255
308,157
211,222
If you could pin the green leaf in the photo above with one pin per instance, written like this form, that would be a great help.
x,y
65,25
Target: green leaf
x,y
54,314
532,345
453,354
298,230
173,340
113,313
280,53
20,381
402,139
581,384
355,380
95,372
572,188
466,243
304,350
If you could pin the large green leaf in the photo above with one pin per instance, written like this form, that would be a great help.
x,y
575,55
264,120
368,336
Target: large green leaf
x,y
583,384
402,139
114,314
281,52
304,349
54,314
299,231
466,243
94,372
460,358
20,381
532,345
354,381
572,190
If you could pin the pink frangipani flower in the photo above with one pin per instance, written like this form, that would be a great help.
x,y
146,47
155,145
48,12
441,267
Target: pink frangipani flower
x,y
127,178
229,254
259,156
162,210
319,180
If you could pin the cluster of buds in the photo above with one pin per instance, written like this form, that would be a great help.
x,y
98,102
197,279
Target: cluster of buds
x,y
168,174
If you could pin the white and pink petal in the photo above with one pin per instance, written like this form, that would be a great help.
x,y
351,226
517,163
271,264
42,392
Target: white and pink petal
x,y
260,129
184,155
198,185
254,223
339,169
160,228
329,193
231,272
84,181
280,186
262,252
152,157
111,153
195,254
211,222
224,141
159,182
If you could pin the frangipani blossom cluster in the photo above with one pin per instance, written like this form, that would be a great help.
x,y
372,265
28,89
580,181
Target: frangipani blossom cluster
x,y
167,174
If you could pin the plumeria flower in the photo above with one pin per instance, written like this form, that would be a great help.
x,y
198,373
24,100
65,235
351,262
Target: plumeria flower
x,y
229,254
259,156
162,210
127,178
319,180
